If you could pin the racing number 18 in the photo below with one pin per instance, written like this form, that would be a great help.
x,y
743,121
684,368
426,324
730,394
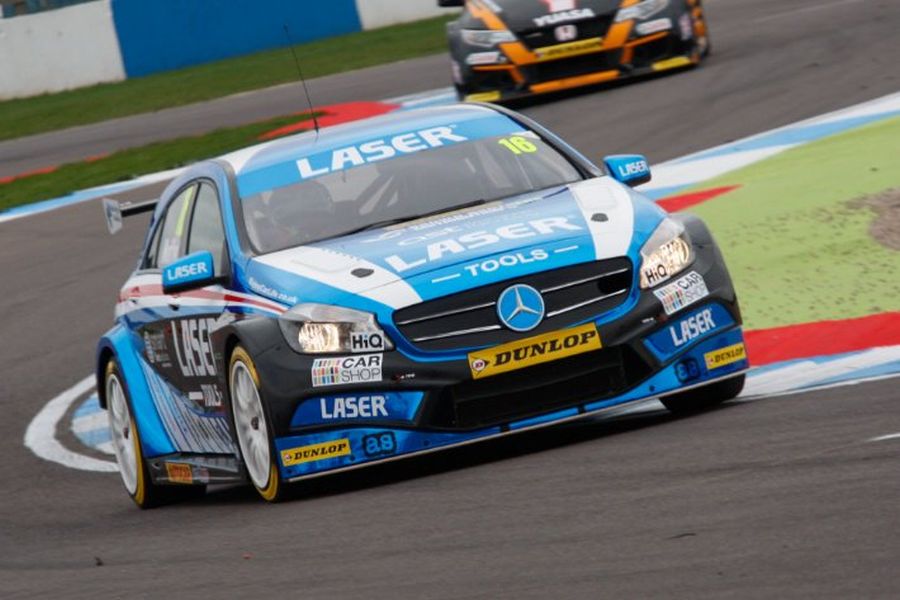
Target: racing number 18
x,y
518,145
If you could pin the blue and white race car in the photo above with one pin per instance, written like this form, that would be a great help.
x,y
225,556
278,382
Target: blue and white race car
x,y
397,286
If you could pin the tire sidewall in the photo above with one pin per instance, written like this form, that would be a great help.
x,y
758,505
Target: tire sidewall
x,y
142,475
272,490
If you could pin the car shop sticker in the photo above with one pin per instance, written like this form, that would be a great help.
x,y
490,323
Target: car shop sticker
x,y
341,370
683,292
315,452
725,356
534,351
179,473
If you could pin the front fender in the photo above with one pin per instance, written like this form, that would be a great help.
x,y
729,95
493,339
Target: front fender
x,y
121,345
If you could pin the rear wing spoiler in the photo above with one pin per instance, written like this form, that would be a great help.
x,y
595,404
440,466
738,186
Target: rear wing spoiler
x,y
114,212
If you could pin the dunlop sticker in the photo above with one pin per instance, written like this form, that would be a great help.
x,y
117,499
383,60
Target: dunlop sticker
x,y
725,356
315,452
534,351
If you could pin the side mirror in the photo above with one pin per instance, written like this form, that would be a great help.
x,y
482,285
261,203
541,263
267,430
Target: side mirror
x,y
630,169
189,272
449,3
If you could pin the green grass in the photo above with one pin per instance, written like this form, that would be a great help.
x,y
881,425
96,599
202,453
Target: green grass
x,y
131,163
213,80
797,249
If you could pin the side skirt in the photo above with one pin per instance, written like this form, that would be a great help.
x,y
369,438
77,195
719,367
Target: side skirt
x,y
195,469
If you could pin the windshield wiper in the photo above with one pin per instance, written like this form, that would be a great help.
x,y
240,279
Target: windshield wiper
x,y
397,220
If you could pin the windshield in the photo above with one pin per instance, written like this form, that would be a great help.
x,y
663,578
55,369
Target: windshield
x,y
403,188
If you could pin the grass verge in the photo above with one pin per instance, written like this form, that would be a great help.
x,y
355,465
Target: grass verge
x,y
131,163
799,247
49,112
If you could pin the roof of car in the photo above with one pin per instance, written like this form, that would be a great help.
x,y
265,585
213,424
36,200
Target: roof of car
x,y
270,162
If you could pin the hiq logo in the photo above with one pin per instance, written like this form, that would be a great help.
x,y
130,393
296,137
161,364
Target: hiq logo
x,y
366,342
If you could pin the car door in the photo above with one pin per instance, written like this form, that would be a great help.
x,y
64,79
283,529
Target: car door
x,y
187,387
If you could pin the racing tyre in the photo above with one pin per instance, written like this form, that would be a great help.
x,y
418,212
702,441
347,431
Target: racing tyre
x,y
703,398
252,428
701,31
126,443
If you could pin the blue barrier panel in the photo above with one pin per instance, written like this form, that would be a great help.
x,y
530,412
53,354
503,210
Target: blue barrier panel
x,y
161,35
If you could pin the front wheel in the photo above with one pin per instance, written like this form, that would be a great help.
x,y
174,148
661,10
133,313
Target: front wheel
x,y
701,31
252,427
705,397
126,443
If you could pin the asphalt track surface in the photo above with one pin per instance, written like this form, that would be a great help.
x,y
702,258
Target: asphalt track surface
x,y
780,497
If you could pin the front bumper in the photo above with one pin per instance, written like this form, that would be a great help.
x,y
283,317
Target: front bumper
x,y
347,448
620,53
418,405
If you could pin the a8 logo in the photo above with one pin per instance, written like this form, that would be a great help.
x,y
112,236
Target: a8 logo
x,y
687,370
380,444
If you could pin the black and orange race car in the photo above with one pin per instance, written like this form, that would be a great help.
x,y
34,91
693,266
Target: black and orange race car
x,y
506,49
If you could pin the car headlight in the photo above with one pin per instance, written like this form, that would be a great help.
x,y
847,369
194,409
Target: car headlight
x,y
666,253
641,10
487,38
325,329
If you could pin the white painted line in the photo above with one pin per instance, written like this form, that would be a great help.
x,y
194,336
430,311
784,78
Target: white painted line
x,y
882,438
882,105
89,422
808,372
672,174
40,437
817,388
420,97
445,278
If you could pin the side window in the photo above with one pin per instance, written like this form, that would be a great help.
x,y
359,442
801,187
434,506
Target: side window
x,y
150,259
207,230
174,230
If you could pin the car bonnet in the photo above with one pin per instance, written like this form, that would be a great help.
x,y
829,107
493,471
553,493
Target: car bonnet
x,y
401,265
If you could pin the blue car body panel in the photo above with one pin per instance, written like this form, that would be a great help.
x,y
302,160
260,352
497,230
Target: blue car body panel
x,y
173,349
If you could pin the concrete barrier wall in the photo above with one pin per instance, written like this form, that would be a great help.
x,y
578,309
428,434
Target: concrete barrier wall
x,y
59,50
160,35
380,13
108,40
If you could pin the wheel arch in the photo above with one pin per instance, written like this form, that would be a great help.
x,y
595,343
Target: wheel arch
x,y
121,344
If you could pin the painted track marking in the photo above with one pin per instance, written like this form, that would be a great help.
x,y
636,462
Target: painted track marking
x,y
40,437
884,438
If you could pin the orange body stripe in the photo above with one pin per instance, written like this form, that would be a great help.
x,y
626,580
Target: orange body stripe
x,y
571,82
628,52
